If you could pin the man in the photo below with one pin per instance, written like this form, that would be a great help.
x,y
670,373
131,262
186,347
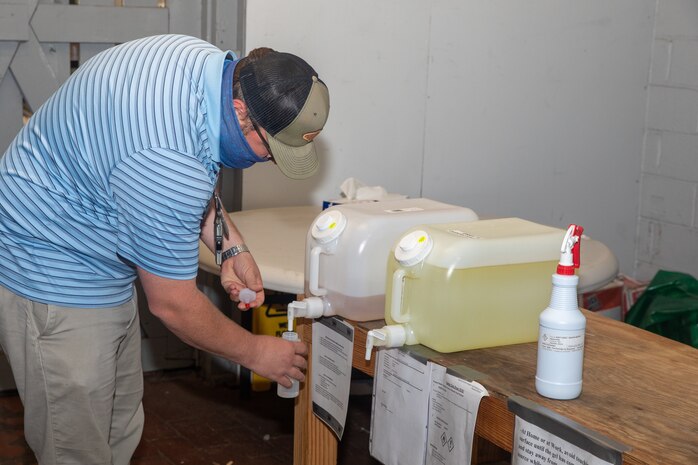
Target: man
x,y
112,179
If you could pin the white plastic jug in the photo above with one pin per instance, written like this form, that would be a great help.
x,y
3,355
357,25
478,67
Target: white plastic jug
x,y
348,246
462,286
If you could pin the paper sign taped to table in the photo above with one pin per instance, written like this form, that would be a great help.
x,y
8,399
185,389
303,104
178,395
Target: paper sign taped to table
x,y
421,412
333,347
453,407
400,408
534,445
544,437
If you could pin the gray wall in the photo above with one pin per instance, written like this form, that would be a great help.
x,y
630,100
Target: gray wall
x,y
533,109
668,225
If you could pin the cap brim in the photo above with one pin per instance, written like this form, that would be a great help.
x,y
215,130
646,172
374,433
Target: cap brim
x,y
295,162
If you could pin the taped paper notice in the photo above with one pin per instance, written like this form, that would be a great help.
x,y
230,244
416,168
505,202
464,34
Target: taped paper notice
x,y
333,345
453,406
535,446
544,437
400,408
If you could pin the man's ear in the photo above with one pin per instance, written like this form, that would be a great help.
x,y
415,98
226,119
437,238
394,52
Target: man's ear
x,y
240,108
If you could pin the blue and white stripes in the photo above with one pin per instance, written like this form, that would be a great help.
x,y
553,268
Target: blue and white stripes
x,y
114,170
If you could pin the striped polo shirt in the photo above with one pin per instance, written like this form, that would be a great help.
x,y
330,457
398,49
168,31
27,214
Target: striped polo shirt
x,y
114,170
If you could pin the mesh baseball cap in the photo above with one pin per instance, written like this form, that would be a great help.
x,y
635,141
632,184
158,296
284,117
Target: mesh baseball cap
x,y
285,97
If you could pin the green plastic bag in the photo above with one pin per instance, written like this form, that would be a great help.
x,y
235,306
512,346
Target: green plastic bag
x,y
668,307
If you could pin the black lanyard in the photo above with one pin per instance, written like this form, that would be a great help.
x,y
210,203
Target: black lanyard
x,y
220,228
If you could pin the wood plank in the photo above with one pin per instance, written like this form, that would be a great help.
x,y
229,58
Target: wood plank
x,y
485,452
97,24
144,3
88,50
10,111
14,21
228,22
58,58
33,72
7,51
186,17
313,442
359,360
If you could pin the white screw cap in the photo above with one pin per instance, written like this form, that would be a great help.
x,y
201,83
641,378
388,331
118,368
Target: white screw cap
x,y
328,226
247,296
413,248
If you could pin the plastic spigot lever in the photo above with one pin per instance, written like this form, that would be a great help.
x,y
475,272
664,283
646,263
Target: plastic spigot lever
x,y
310,307
295,308
374,337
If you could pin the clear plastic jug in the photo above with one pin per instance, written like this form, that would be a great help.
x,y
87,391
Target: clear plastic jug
x,y
462,286
348,245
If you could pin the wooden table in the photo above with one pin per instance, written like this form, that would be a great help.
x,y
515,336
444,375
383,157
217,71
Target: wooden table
x,y
639,389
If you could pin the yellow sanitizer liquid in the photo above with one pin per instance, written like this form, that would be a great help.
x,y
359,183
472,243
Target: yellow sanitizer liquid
x,y
461,286
470,308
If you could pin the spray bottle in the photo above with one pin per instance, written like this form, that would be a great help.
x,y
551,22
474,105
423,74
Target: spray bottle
x,y
562,326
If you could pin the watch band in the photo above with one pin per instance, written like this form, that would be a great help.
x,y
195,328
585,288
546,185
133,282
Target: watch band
x,y
233,251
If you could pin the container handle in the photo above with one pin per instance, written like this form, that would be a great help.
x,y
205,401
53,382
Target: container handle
x,y
396,303
314,272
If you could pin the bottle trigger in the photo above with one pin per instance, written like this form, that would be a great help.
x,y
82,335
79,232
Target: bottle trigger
x,y
569,252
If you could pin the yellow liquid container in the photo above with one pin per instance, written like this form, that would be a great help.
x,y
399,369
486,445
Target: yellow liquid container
x,y
461,286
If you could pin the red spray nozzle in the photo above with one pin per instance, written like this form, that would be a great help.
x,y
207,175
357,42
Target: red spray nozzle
x,y
570,251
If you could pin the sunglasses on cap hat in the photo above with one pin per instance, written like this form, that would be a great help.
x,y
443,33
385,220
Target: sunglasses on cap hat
x,y
264,141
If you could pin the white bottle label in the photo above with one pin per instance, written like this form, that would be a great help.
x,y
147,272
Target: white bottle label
x,y
561,341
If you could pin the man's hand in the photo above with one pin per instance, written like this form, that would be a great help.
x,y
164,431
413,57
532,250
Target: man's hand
x,y
238,273
279,359
188,313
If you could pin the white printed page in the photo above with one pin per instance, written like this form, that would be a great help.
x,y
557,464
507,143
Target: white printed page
x,y
535,446
333,346
453,407
400,409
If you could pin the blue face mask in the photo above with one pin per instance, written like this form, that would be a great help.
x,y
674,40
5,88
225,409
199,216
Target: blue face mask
x,y
234,149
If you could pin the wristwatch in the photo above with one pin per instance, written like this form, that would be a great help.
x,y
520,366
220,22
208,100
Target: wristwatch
x,y
233,251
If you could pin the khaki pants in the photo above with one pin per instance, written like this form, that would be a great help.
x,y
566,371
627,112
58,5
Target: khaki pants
x,y
78,373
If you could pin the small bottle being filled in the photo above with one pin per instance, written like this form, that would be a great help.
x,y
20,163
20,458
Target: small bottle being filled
x,y
283,391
